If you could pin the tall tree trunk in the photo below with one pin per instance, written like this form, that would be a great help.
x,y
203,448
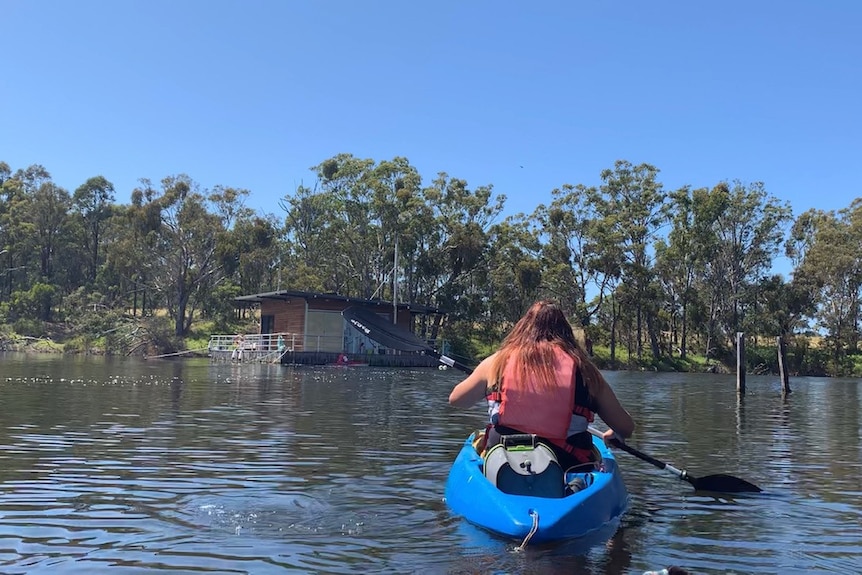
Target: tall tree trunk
x,y
613,342
653,337
684,334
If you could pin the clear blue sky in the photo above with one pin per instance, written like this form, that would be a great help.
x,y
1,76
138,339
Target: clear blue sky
x,y
524,96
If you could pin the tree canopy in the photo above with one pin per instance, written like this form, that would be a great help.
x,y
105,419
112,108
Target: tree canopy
x,y
650,273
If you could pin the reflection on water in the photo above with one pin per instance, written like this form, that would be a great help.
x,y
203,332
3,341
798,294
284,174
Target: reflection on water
x,y
189,467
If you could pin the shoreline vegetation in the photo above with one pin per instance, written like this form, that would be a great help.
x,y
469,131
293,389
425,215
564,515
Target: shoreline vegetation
x,y
63,342
28,344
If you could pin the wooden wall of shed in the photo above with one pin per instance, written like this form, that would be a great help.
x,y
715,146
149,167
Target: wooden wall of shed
x,y
289,315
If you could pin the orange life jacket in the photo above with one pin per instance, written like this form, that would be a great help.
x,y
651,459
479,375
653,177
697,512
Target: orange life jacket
x,y
558,415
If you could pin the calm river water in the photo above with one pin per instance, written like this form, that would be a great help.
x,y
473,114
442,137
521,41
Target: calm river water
x,y
127,467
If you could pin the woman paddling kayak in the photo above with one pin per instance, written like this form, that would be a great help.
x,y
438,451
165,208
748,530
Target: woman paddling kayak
x,y
541,382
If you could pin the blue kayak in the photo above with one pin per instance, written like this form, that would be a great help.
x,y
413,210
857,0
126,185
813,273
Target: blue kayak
x,y
600,500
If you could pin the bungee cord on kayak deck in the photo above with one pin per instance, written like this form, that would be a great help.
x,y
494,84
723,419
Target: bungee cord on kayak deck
x,y
535,515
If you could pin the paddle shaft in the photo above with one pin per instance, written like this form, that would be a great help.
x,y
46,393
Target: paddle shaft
x,y
719,482
445,360
641,455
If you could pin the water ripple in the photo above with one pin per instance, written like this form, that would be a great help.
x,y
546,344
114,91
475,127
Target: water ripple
x,y
191,467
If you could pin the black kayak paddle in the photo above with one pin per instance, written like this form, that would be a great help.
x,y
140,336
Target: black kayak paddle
x,y
394,337
719,482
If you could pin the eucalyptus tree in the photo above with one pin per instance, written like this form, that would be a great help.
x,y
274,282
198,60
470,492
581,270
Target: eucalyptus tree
x,y
673,278
833,263
853,216
462,222
247,247
419,233
330,236
395,205
802,234
749,230
92,202
22,260
250,253
38,219
579,268
121,255
512,278
32,178
8,189
630,205
309,242
131,239
683,263
48,214
780,307
183,263
693,238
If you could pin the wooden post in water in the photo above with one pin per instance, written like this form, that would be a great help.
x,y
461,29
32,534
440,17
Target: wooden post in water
x,y
740,363
782,366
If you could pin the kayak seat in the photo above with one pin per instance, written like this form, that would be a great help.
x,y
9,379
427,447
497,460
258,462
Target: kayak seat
x,y
521,465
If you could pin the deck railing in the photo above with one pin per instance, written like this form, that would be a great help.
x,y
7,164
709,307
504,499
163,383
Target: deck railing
x,y
255,341
271,346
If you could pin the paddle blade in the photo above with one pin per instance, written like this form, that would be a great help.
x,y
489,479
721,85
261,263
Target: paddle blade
x,y
383,332
722,483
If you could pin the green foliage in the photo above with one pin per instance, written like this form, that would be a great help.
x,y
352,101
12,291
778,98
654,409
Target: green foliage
x,y
78,344
116,342
35,303
804,359
28,327
692,363
220,307
653,277
161,336
761,359
87,313
198,337
460,341
856,363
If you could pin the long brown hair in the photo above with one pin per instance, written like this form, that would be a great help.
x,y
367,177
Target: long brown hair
x,y
532,343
